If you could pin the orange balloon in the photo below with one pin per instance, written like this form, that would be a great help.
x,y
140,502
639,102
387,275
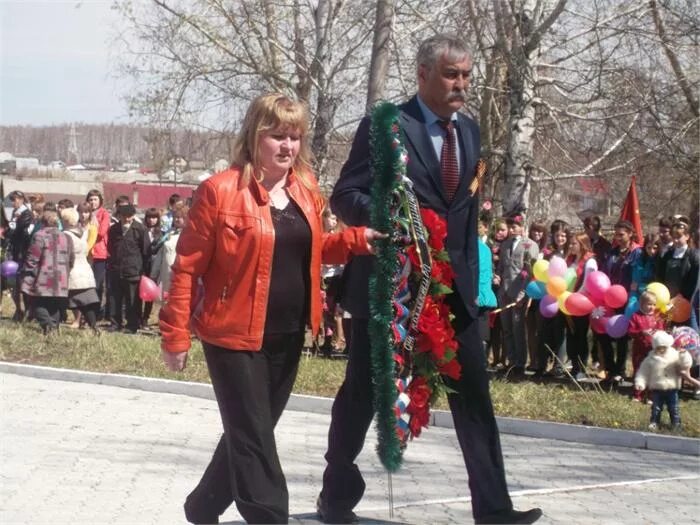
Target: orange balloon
x,y
556,286
680,311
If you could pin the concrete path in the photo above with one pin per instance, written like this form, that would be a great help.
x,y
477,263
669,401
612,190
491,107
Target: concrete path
x,y
82,453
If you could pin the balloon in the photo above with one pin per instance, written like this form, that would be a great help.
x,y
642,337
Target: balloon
x,y
556,285
632,306
663,296
570,278
539,270
148,290
685,338
549,306
664,308
598,324
579,304
9,268
561,301
681,309
557,267
590,266
615,296
596,284
617,326
535,290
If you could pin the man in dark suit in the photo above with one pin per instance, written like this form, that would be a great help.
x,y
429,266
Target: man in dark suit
x,y
443,149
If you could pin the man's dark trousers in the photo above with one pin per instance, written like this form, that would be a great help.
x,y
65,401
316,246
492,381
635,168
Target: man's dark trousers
x,y
471,408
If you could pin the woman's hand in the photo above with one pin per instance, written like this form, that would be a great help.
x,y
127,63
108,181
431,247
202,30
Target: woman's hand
x,y
371,236
175,361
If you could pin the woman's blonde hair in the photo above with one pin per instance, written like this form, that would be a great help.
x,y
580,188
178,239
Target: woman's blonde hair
x,y
70,217
267,112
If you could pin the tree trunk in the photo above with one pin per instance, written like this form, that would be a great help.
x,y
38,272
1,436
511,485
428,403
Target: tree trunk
x,y
379,65
519,161
326,107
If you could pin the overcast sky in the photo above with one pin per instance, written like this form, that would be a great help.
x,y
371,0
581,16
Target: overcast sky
x,y
54,62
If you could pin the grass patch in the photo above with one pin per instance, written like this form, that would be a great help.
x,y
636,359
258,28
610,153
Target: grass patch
x,y
140,355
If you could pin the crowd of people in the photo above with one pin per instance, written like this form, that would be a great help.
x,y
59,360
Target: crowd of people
x,y
518,338
90,260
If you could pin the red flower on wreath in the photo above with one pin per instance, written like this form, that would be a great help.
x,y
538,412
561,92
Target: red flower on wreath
x,y
451,369
442,273
437,228
419,392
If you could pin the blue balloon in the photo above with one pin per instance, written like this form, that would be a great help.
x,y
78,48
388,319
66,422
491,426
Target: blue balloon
x,y
632,306
536,289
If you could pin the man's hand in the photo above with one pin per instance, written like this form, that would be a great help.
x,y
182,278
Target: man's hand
x,y
175,361
371,236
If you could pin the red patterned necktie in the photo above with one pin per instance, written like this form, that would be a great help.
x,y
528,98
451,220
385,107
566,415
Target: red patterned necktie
x,y
448,160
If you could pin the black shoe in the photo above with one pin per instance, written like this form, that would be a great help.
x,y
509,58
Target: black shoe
x,y
512,516
334,516
516,372
199,518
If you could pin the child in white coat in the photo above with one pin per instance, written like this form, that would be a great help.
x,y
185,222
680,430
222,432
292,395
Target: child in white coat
x,y
660,372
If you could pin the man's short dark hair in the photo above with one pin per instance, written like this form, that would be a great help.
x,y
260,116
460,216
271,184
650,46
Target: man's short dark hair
x,y
592,221
66,203
121,200
665,222
174,199
627,225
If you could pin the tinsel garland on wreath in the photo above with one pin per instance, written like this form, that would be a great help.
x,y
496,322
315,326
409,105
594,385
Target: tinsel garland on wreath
x,y
388,164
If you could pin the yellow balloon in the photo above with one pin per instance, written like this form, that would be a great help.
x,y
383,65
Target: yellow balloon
x,y
663,296
663,308
539,270
556,286
562,301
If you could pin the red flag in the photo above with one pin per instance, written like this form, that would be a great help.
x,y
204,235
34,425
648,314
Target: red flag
x,y
630,210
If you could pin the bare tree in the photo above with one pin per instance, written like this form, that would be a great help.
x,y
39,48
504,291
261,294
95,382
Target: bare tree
x,y
203,61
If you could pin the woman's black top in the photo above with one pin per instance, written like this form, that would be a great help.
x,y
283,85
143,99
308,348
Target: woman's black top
x,y
288,301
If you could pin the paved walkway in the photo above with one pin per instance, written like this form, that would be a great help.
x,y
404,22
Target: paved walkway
x,y
82,453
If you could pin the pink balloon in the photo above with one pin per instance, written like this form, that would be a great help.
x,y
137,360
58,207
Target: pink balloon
x,y
557,267
549,306
148,290
596,285
615,296
617,326
578,304
598,324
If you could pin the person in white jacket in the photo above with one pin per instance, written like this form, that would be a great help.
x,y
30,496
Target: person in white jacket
x,y
165,251
660,373
82,295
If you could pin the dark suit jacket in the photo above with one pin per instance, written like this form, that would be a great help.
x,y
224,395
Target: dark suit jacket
x,y
351,202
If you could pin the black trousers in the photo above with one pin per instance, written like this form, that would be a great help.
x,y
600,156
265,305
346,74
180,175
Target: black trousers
x,y
577,343
99,270
123,298
252,389
471,408
47,311
615,359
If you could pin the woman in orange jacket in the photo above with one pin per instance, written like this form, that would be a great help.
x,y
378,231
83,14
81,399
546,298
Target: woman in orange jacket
x,y
255,242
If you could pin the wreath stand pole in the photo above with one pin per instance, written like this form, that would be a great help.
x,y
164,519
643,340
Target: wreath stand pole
x,y
391,496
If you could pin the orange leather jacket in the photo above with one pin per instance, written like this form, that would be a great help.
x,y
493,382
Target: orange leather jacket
x,y
228,244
